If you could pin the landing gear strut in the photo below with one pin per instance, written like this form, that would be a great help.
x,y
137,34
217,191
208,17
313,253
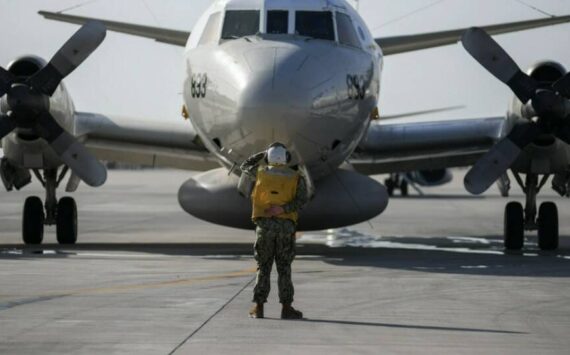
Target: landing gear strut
x,y
518,220
62,213
396,181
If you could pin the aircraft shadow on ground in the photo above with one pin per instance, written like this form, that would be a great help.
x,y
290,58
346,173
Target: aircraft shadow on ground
x,y
451,255
448,255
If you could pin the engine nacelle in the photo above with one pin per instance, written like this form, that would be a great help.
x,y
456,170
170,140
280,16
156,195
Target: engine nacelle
x,y
26,66
341,199
430,178
23,148
547,71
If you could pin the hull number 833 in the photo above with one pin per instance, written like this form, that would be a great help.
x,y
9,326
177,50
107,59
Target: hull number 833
x,y
356,86
199,85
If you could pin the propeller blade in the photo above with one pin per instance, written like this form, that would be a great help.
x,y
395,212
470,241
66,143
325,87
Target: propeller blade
x,y
500,158
564,134
72,152
6,80
563,86
497,61
7,125
69,57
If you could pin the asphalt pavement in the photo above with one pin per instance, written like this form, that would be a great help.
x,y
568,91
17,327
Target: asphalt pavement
x,y
429,276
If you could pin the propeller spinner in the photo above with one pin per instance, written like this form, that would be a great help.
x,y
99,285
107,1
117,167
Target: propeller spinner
x,y
27,103
547,110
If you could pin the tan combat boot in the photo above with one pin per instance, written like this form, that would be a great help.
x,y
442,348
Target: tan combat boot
x,y
256,311
288,312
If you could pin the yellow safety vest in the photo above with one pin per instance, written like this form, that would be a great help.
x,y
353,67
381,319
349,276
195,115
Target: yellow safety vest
x,y
274,186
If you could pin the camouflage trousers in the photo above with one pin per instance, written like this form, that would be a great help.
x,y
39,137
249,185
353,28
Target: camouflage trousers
x,y
275,242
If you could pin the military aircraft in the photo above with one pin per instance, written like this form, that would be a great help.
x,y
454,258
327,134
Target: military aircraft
x,y
306,73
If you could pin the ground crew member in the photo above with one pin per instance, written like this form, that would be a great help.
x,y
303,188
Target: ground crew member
x,y
278,194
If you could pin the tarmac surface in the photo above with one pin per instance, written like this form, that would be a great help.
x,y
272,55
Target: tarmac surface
x,y
429,276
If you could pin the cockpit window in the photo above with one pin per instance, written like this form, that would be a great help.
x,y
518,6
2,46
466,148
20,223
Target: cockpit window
x,y
346,32
277,22
240,23
315,24
212,30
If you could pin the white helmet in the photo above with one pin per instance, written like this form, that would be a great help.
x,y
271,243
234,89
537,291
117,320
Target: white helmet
x,y
277,154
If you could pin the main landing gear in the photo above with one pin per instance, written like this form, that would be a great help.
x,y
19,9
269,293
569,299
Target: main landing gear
x,y
396,181
518,220
62,213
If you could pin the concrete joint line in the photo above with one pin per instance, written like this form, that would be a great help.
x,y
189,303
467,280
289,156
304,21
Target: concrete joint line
x,y
212,316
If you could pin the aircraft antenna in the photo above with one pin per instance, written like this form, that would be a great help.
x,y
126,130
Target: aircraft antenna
x,y
151,13
77,6
535,8
405,16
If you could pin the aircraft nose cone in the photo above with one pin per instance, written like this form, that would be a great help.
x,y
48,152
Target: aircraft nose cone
x,y
287,90
277,101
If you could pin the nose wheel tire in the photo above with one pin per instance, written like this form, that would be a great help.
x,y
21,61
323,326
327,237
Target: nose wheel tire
x,y
66,222
389,187
404,188
33,221
394,182
514,226
548,226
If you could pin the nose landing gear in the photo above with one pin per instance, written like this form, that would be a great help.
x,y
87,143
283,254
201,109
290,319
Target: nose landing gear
x,y
394,182
62,213
518,220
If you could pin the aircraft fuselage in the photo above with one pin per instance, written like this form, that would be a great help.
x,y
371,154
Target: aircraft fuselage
x,y
315,96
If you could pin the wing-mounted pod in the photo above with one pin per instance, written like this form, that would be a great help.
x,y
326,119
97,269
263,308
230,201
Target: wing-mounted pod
x,y
342,199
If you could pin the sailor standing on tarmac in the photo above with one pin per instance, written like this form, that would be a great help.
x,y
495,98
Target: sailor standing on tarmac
x,y
278,194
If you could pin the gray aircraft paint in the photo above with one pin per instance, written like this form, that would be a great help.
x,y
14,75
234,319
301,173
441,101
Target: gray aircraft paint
x,y
286,88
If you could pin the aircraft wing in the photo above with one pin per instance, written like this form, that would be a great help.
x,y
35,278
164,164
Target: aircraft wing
x,y
116,139
389,45
409,43
175,37
391,147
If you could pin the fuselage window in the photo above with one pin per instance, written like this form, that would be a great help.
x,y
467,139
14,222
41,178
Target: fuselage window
x,y
277,22
315,24
212,30
240,23
361,33
346,32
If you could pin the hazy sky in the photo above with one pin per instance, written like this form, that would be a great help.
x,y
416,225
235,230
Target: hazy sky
x,y
140,78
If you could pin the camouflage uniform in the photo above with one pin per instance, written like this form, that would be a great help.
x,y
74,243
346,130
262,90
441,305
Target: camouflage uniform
x,y
275,242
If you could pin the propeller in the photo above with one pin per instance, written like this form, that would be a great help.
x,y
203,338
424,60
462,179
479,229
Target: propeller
x,y
546,110
26,103
563,86
7,125
6,80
